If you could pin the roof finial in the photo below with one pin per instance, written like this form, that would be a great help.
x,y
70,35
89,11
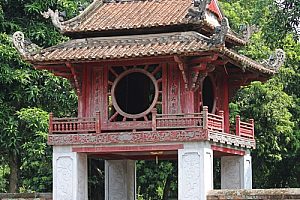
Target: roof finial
x,y
56,19
198,11
25,47
218,38
276,60
248,30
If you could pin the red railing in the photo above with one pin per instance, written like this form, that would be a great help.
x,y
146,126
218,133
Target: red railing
x,y
204,120
176,121
74,125
244,129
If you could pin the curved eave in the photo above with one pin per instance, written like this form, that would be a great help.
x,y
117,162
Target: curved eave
x,y
140,46
244,62
107,19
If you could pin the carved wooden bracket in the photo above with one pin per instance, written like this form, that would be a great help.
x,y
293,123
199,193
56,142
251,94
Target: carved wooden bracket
x,y
75,81
183,68
240,80
196,72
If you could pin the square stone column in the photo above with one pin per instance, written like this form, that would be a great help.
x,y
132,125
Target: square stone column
x,y
236,172
69,174
195,171
120,180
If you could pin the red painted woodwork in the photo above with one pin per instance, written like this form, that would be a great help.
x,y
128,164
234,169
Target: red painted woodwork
x,y
244,129
203,120
139,137
178,102
74,125
114,149
213,7
228,151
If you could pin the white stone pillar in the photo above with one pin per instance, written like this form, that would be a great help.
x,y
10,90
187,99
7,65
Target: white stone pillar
x,y
120,180
69,174
236,172
195,171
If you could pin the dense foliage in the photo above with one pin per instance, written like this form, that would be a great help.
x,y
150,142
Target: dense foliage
x,y
27,96
274,105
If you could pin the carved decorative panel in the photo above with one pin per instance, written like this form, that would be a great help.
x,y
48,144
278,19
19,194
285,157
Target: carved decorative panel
x,y
231,173
117,185
64,178
191,167
97,91
128,137
174,87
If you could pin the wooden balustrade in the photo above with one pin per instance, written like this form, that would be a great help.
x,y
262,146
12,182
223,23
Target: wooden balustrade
x,y
177,121
215,122
74,125
203,120
244,129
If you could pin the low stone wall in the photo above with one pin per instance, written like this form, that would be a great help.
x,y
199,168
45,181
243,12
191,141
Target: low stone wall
x,y
25,196
258,194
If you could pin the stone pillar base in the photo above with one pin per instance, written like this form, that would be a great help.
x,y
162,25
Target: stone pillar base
x,y
195,171
236,172
69,174
120,180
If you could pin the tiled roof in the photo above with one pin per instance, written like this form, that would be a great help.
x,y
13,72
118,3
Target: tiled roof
x,y
131,15
110,48
102,48
142,14
244,61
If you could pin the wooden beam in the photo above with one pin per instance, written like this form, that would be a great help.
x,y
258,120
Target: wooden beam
x,y
75,78
226,150
220,62
119,149
204,59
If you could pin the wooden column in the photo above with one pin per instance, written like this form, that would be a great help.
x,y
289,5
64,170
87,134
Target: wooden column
x,y
187,98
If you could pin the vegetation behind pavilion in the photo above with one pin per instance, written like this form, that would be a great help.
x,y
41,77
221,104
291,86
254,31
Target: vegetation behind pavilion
x,y
27,95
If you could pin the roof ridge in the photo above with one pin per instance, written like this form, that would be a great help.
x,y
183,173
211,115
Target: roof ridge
x,y
93,6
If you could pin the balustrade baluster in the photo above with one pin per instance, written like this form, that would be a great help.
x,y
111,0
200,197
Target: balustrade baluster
x,y
98,122
237,125
154,121
205,117
221,113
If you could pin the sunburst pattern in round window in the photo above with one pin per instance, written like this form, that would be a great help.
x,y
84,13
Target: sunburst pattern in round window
x,y
134,91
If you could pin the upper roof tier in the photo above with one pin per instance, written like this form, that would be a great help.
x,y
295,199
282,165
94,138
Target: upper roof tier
x,y
107,18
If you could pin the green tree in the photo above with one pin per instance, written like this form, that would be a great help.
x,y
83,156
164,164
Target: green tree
x,y
275,104
23,127
156,180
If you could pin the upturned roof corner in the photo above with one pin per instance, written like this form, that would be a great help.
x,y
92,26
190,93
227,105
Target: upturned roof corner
x,y
218,38
24,46
275,61
55,18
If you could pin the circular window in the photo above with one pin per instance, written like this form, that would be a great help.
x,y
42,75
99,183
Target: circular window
x,y
208,94
135,93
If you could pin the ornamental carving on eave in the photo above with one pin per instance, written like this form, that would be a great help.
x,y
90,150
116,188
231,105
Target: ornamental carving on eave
x,y
275,61
55,18
24,46
218,38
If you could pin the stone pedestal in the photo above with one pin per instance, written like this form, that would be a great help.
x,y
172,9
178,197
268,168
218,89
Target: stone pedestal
x,y
236,172
195,171
69,174
120,180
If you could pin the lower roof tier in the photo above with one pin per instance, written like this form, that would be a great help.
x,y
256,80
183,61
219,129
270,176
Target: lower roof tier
x,y
140,46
